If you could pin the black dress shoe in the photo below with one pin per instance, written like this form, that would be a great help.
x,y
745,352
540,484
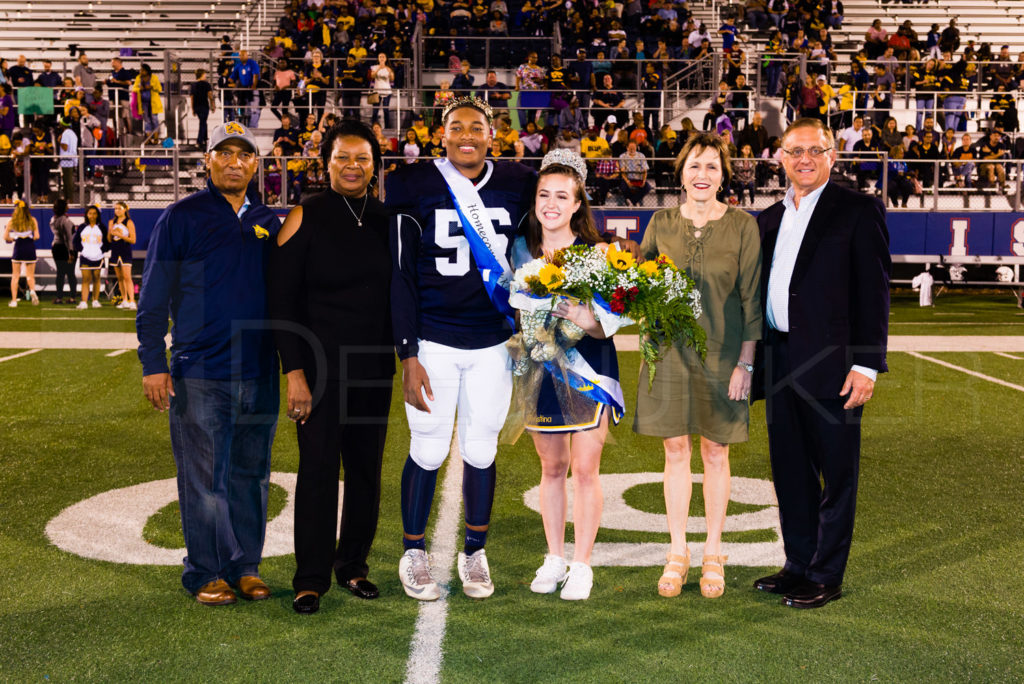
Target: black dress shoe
x,y
781,582
307,604
812,595
362,587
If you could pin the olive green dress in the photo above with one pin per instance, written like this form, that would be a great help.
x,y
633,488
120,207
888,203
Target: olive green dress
x,y
724,259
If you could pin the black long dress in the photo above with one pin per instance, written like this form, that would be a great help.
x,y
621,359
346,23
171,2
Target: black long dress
x,y
330,305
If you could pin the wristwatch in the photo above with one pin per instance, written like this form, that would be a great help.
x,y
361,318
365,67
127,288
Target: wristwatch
x,y
749,367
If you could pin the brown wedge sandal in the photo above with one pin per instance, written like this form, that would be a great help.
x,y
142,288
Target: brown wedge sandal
x,y
713,587
673,577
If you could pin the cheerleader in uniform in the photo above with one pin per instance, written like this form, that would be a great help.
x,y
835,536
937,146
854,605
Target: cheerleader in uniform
x,y
23,231
560,218
90,243
121,233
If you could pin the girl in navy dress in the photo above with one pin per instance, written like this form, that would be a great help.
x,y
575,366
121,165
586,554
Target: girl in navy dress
x,y
90,242
23,231
561,217
121,233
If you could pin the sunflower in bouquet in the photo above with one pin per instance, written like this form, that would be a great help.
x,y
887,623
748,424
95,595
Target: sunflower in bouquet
x,y
663,300
660,298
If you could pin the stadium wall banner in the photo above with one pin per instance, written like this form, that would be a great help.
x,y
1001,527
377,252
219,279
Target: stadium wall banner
x,y
911,233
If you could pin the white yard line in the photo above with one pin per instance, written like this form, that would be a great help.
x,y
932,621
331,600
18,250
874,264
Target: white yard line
x,y
968,324
118,352
976,374
956,343
70,340
80,319
19,355
906,343
426,653
1009,356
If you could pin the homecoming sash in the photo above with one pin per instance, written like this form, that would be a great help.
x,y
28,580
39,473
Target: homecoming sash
x,y
579,374
476,225
581,377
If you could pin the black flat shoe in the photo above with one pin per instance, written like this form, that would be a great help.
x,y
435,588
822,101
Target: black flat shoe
x,y
812,595
781,582
362,587
307,603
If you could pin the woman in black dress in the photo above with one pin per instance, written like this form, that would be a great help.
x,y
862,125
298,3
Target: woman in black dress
x,y
330,297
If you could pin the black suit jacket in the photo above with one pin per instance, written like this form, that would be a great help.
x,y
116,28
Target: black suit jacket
x,y
839,292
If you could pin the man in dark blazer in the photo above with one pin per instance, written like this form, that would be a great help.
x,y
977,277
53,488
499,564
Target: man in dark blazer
x,y
825,278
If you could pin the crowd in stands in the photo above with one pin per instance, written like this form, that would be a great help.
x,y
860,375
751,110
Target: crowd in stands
x,y
329,57
41,138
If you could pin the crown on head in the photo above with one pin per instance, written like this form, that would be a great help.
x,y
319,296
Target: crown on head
x,y
564,157
474,102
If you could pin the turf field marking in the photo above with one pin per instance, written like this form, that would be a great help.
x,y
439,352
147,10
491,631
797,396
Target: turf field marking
x,y
71,340
1009,356
976,374
619,515
19,355
426,653
109,525
949,323
71,318
118,352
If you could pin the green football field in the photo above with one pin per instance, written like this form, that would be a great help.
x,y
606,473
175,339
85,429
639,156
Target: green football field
x,y
933,592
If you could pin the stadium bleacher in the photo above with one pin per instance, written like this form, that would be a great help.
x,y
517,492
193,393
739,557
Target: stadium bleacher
x,y
182,35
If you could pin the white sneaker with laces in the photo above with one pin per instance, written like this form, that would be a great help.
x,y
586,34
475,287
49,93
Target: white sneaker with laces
x,y
122,305
577,586
82,305
133,306
34,297
475,574
549,575
13,304
414,571
96,304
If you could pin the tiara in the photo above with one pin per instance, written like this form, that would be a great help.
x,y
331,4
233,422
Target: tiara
x,y
564,157
474,102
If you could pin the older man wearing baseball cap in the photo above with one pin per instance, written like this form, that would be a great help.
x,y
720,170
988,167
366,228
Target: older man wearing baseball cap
x,y
205,267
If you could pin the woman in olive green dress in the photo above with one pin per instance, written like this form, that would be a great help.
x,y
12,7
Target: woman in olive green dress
x,y
719,247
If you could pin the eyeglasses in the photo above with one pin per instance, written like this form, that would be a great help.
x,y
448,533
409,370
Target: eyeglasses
x,y
227,155
798,152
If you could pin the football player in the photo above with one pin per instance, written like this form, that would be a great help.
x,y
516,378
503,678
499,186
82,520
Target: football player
x,y
451,320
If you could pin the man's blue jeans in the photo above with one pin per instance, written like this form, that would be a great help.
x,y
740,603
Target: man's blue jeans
x,y
221,433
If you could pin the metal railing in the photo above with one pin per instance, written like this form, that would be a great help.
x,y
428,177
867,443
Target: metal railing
x,y
104,176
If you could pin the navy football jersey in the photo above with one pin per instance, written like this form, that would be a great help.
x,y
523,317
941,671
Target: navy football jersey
x,y
436,291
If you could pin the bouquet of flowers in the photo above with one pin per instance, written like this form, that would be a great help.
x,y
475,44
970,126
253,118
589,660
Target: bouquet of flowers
x,y
660,298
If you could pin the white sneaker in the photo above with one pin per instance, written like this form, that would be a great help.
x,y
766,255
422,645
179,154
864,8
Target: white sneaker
x,y
96,304
82,305
414,571
577,586
122,305
133,306
549,575
34,297
13,304
475,575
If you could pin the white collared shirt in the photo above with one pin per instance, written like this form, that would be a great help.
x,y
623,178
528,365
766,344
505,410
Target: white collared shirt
x,y
787,246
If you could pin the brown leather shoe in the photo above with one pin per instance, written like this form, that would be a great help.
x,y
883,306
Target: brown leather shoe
x,y
216,593
252,588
